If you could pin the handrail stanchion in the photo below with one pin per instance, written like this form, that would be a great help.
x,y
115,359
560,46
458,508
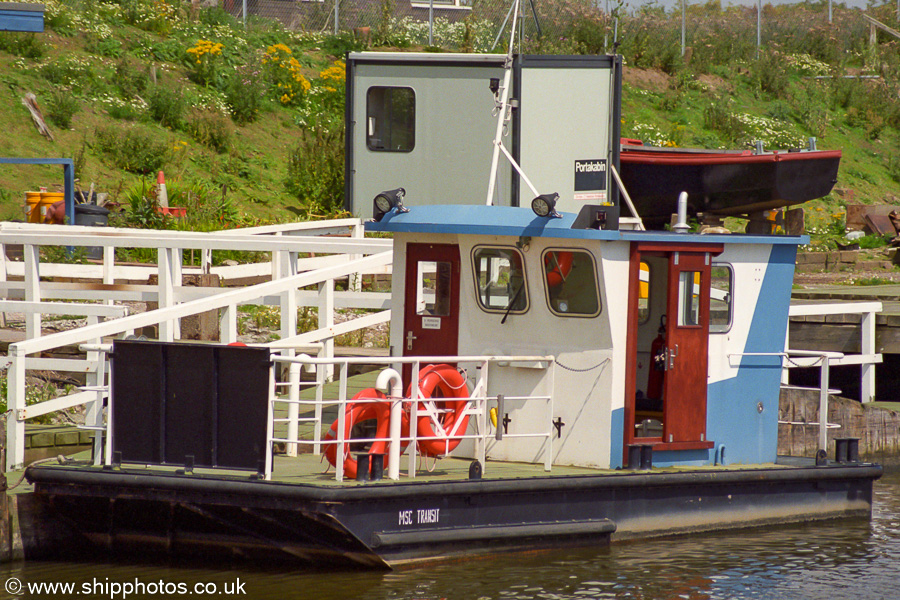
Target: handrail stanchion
x,y
293,406
413,418
270,426
342,409
548,460
320,395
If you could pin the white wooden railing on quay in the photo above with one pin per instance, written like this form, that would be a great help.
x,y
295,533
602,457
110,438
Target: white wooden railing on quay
x,y
477,407
347,258
867,357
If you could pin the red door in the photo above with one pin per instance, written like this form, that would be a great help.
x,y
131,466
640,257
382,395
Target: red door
x,y
684,304
687,343
431,318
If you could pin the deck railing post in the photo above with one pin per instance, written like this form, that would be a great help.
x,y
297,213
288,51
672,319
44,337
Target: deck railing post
x,y
293,405
270,425
320,395
342,420
32,289
867,347
823,404
15,400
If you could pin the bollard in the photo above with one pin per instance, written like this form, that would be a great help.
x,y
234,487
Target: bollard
x,y
646,457
853,450
362,467
377,463
840,450
634,456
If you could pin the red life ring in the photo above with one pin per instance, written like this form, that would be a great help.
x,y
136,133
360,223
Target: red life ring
x,y
558,265
448,384
357,413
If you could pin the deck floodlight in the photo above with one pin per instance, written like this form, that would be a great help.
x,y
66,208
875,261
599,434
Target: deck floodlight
x,y
387,201
545,205
494,85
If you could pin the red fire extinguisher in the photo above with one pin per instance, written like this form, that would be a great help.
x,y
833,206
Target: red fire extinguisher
x,y
658,359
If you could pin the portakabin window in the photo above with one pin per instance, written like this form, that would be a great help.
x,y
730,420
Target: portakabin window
x,y
390,119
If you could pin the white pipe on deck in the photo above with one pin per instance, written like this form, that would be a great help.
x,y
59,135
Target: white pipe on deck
x,y
392,377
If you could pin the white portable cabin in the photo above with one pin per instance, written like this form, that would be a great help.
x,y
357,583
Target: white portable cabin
x,y
725,299
426,122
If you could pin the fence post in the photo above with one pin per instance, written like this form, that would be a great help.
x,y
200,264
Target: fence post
x,y
823,404
15,400
336,19
326,320
32,289
168,330
94,416
228,325
867,347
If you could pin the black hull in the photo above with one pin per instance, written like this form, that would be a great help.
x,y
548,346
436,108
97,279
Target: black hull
x,y
385,525
724,183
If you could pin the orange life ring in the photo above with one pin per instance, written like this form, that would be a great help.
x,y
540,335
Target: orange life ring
x,y
448,384
558,265
356,413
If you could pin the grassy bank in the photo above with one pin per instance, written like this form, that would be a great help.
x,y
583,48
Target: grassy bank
x,y
247,123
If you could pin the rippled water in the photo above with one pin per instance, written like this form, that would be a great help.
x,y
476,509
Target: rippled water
x,y
833,560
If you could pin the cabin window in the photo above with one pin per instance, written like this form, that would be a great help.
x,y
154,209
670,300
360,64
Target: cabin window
x,y
390,119
644,295
720,298
689,298
500,278
433,289
570,279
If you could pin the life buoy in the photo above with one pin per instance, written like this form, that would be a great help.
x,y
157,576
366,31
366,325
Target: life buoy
x,y
357,413
558,265
446,387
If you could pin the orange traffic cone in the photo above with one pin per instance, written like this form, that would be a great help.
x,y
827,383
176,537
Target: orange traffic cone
x,y
162,195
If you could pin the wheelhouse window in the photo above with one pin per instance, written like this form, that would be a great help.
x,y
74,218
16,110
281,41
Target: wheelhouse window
x,y
644,295
570,278
390,119
689,298
721,300
500,279
433,289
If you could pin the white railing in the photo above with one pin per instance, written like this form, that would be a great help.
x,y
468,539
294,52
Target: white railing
x,y
867,357
477,407
350,258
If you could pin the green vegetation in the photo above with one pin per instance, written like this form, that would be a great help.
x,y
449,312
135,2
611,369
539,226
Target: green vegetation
x,y
247,122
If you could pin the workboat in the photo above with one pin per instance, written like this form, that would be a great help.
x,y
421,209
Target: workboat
x,y
576,385
555,378
724,182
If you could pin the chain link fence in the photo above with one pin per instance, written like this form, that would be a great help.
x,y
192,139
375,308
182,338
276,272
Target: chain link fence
x,y
650,34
